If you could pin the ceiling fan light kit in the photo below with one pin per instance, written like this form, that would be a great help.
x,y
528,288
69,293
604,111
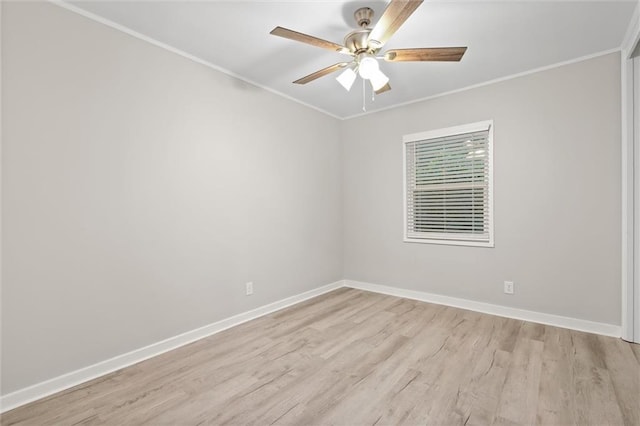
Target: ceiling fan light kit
x,y
364,44
369,69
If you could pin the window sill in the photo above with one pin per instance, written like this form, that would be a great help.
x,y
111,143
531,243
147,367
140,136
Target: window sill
x,y
486,244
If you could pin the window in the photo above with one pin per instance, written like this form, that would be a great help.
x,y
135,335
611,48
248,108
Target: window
x,y
448,178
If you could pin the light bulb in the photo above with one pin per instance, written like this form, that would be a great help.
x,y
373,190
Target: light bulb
x,y
378,79
367,67
346,78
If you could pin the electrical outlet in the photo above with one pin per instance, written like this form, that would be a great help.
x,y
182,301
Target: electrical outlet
x,y
508,287
249,289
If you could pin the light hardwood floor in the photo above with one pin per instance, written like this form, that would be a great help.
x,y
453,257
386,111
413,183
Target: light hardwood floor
x,y
351,357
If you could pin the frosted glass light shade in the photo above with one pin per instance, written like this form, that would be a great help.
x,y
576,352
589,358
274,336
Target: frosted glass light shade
x,y
378,79
367,67
346,78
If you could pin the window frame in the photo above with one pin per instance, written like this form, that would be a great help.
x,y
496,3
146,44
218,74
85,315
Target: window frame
x,y
446,238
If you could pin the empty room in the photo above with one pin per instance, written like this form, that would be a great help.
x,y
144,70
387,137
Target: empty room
x,y
385,212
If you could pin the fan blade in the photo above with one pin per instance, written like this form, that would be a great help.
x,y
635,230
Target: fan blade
x,y
305,38
383,89
452,54
321,73
393,17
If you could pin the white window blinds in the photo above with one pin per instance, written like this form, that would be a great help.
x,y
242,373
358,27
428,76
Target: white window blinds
x,y
448,184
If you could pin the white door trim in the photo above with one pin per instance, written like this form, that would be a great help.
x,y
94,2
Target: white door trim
x,y
630,188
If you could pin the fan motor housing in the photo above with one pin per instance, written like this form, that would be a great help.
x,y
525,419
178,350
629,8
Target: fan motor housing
x,y
357,41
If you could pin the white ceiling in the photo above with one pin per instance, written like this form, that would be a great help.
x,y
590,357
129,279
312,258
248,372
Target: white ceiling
x,y
503,38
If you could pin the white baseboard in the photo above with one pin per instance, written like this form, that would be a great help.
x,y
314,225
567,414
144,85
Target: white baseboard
x,y
488,308
66,381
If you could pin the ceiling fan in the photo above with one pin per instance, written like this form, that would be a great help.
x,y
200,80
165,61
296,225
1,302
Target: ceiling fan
x,y
364,44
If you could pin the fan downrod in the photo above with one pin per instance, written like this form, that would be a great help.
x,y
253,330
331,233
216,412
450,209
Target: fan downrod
x,y
363,16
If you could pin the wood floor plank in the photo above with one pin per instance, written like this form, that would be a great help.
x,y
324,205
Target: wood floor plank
x,y
519,399
595,398
354,357
556,399
636,351
485,388
452,400
617,357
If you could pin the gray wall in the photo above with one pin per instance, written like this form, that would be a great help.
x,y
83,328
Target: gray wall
x,y
557,195
141,190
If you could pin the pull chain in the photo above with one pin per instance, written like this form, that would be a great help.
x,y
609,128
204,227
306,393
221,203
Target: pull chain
x,y
364,96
